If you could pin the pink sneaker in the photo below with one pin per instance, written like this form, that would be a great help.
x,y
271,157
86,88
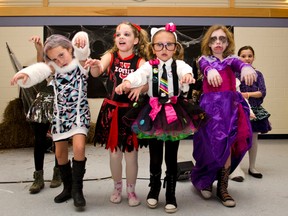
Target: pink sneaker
x,y
116,196
132,197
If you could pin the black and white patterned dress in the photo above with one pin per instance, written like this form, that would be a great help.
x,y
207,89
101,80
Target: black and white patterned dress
x,y
71,109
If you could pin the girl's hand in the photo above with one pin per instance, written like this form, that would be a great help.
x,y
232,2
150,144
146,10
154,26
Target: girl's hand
x,y
252,115
96,67
123,87
249,75
214,78
19,76
37,43
135,93
93,64
80,41
187,78
245,95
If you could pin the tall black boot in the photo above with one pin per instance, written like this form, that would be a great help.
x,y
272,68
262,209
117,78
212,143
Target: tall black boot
x,y
155,187
170,184
66,176
77,183
222,186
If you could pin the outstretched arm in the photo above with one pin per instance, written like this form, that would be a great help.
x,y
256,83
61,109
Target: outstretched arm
x,y
187,78
38,46
248,74
124,87
135,92
97,67
213,76
31,75
80,43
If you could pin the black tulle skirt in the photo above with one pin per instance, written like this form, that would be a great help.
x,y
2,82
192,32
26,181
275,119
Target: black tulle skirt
x,y
172,121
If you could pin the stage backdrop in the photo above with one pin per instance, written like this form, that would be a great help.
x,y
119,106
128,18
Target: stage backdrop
x,y
101,39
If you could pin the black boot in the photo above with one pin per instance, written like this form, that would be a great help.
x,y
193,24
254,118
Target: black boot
x,y
222,186
155,187
170,184
66,176
77,183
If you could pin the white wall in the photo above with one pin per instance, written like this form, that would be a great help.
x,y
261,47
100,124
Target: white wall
x,y
18,39
270,45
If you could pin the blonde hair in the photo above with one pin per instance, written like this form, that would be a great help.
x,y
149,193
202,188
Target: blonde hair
x,y
206,50
140,48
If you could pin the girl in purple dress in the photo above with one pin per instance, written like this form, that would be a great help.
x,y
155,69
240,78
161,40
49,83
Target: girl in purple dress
x,y
220,145
255,94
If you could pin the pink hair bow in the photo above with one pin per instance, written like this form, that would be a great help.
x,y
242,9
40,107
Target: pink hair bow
x,y
170,27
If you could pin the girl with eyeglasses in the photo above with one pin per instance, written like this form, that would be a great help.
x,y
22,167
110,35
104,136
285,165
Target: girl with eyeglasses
x,y
220,145
166,116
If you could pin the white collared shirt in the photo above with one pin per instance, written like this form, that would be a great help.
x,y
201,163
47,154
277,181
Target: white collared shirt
x,y
144,74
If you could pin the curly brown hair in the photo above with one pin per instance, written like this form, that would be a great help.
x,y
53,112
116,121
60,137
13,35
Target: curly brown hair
x,y
206,50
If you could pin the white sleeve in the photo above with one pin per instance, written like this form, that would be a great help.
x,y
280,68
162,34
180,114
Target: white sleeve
x,y
81,53
183,68
36,72
140,76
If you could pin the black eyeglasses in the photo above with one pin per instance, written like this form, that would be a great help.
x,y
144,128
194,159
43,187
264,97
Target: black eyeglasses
x,y
222,39
160,46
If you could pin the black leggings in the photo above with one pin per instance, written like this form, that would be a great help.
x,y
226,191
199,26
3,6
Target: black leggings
x,y
40,132
156,156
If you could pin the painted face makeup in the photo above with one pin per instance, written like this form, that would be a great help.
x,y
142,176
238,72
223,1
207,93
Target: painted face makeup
x,y
214,39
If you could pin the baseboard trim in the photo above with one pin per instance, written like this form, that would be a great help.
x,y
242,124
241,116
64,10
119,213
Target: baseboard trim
x,y
263,136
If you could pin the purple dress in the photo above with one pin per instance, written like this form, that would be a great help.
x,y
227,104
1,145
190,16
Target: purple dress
x,y
228,127
261,123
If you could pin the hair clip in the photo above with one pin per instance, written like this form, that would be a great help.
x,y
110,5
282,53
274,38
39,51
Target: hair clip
x,y
170,27
137,27
154,62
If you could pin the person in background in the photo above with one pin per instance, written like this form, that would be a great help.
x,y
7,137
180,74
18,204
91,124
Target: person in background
x,y
166,116
220,145
65,60
255,94
40,115
127,54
